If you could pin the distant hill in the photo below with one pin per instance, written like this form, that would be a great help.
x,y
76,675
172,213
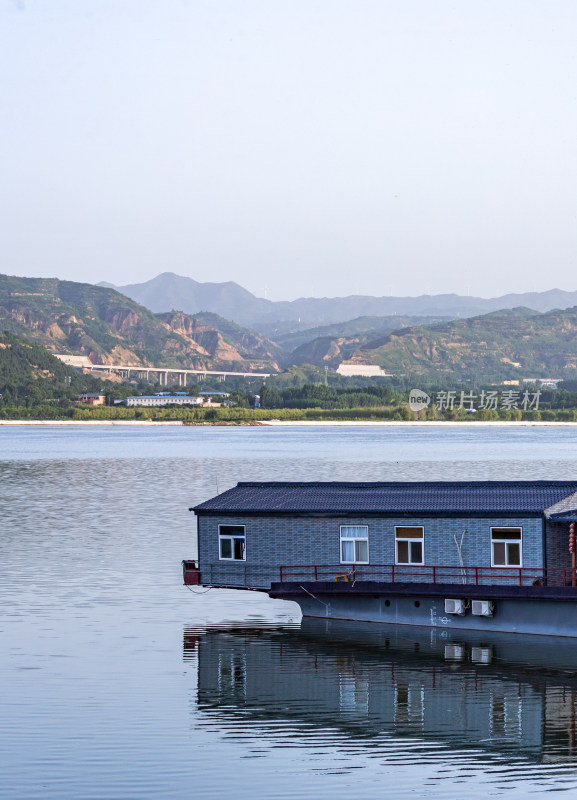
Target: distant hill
x,y
169,291
505,345
330,344
101,323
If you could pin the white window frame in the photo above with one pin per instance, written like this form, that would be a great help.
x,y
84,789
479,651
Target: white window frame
x,y
518,541
222,536
354,539
409,540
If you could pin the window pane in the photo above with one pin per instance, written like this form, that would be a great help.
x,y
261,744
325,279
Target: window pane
x,y
499,554
362,550
514,553
354,532
226,548
348,551
239,548
402,552
416,552
231,530
506,533
409,533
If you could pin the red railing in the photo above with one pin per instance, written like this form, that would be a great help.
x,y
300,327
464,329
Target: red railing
x,y
411,573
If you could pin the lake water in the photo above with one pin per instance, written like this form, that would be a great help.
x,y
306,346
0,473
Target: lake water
x,y
118,682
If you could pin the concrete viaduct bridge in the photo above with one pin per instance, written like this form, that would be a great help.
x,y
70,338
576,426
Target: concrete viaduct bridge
x,y
180,375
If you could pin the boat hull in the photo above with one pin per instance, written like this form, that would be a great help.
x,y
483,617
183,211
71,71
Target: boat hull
x,y
525,610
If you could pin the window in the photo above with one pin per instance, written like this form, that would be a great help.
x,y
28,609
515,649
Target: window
x,y
409,545
354,544
231,542
506,547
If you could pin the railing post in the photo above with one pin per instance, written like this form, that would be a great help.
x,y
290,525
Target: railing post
x,y
476,576
434,575
520,576
354,574
281,574
316,573
393,573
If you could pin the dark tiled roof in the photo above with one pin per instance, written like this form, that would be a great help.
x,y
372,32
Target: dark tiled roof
x,y
398,498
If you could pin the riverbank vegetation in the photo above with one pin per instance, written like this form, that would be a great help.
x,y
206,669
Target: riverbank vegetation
x,y
239,415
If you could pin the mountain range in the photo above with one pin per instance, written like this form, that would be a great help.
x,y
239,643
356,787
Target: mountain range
x,y
168,291
109,328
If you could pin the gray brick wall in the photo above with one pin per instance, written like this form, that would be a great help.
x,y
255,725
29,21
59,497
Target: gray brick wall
x,y
272,542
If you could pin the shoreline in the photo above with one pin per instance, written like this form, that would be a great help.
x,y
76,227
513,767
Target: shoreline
x,y
276,423
89,422
422,423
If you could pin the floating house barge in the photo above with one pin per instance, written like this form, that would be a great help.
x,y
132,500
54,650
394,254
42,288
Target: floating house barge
x,y
480,555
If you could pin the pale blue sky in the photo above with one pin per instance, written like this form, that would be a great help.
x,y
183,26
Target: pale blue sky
x,y
303,147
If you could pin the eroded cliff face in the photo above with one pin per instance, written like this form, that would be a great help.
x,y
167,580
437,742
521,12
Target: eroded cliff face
x,y
181,323
329,351
26,317
249,350
214,344
122,321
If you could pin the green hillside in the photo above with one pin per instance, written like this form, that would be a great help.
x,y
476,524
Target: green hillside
x,y
505,345
29,372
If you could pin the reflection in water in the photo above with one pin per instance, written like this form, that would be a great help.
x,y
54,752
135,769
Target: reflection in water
x,y
393,691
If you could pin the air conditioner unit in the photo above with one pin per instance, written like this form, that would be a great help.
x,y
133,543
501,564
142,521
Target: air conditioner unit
x,y
481,655
454,652
455,607
482,608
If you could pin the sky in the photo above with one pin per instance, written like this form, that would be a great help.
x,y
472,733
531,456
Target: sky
x,y
299,148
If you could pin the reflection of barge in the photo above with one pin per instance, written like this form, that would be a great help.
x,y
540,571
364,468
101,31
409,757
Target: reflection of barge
x,y
498,695
480,555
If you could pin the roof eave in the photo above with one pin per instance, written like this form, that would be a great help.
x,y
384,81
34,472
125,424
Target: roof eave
x,y
252,512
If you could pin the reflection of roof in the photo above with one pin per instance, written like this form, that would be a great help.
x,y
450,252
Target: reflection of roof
x,y
435,497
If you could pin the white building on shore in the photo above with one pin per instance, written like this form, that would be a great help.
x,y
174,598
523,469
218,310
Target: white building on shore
x,y
162,400
349,369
